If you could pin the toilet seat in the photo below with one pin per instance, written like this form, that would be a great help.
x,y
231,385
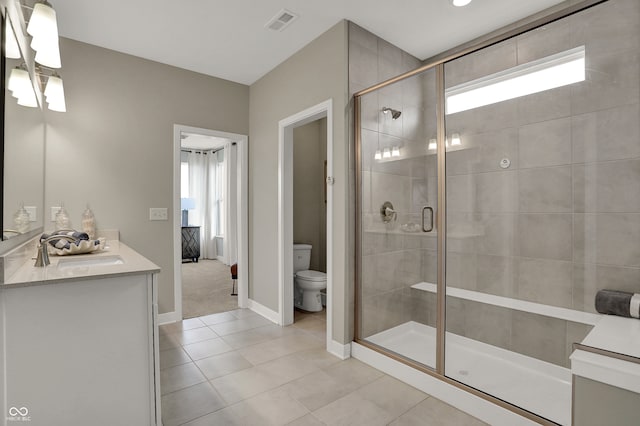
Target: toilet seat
x,y
315,276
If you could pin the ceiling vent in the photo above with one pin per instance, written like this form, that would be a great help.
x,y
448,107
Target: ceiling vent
x,y
281,21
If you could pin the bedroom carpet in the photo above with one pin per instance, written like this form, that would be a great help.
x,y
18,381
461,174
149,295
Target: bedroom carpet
x,y
206,289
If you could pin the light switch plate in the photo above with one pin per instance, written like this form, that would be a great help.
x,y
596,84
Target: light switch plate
x,y
33,216
158,213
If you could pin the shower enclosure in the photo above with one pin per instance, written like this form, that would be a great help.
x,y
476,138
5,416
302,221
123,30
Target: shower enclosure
x,y
504,195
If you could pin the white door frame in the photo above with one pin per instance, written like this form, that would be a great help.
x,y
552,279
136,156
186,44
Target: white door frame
x,y
241,216
285,210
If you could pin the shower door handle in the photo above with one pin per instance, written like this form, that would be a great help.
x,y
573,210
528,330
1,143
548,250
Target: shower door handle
x,y
430,219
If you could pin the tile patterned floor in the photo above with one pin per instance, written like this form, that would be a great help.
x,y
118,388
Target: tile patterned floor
x,y
237,368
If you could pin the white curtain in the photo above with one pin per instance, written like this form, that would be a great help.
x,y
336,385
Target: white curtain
x,y
203,186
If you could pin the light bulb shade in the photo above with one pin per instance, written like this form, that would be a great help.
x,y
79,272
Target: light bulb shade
x,y
386,153
21,88
455,139
395,151
47,52
54,94
377,155
433,144
11,46
460,3
43,22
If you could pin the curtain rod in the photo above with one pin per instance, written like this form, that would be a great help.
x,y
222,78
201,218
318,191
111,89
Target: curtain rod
x,y
205,152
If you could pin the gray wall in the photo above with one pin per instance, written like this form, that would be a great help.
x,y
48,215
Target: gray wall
x,y
113,148
309,208
314,74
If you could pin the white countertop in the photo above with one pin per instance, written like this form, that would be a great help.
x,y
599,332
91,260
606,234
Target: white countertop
x,y
617,335
133,264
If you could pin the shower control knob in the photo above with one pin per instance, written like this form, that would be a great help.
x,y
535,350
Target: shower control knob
x,y
330,180
505,163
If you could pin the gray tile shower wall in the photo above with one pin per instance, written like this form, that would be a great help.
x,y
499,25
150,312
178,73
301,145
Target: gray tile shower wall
x,y
563,220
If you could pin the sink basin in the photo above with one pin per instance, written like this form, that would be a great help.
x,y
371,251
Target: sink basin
x,y
87,262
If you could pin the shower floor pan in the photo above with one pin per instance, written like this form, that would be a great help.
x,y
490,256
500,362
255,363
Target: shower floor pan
x,y
536,386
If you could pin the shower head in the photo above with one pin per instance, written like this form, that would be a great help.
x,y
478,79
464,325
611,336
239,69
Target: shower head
x,y
395,114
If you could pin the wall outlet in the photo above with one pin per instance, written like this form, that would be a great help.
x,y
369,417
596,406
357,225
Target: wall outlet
x,y
54,212
33,217
158,213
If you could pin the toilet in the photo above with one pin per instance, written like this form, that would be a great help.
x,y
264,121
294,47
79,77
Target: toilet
x,y
306,284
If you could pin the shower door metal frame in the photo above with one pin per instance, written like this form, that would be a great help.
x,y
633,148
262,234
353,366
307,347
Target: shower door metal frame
x,y
437,62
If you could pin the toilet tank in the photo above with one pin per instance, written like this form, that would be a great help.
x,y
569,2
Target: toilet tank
x,y
301,257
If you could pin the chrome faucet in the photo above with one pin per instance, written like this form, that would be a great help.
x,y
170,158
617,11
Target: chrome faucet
x,y
43,254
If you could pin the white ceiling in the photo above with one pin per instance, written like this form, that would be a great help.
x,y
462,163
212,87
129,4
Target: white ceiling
x,y
201,142
227,38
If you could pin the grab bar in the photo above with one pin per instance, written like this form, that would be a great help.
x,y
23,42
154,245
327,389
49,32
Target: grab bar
x,y
430,221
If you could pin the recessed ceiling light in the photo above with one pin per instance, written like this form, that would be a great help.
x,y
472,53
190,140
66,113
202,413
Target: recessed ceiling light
x,y
460,3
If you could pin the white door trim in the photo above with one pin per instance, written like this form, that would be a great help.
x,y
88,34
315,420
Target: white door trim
x,y
285,210
242,216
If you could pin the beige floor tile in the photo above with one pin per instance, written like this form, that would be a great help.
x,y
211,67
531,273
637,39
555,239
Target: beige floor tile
x,y
172,357
180,377
256,335
179,326
243,313
353,373
220,365
319,357
434,412
353,410
240,324
207,348
244,384
294,342
218,318
187,337
275,407
312,325
190,403
287,368
168,341
391,395
224,417
317,389
308,420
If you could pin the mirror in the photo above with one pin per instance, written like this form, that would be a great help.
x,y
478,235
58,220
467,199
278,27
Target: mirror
x,y
23,160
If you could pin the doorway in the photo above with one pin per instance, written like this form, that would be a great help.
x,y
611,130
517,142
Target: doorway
x,y
286,210
202,277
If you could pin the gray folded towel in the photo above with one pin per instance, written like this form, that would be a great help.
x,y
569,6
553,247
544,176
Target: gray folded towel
x,y
63,243
620,303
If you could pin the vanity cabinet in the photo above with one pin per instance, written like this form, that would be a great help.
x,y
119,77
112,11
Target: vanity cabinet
x,y
81,345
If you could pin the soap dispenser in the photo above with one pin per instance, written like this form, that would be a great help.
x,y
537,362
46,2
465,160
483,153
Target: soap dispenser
x,y
89,223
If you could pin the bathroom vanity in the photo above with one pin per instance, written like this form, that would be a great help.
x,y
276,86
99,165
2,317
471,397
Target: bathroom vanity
x,y
606,374
81,338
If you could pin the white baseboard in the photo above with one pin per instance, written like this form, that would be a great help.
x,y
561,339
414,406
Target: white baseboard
x,y
338,349
462,400
256,307
168,317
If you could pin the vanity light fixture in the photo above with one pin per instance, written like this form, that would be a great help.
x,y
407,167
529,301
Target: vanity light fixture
x,y
54,94
395,151
21,87
460,3
43,27
11,46
553,71
386,153
377,155
433,145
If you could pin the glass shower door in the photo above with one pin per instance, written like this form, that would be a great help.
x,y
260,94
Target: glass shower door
x,y
398,199
542,188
